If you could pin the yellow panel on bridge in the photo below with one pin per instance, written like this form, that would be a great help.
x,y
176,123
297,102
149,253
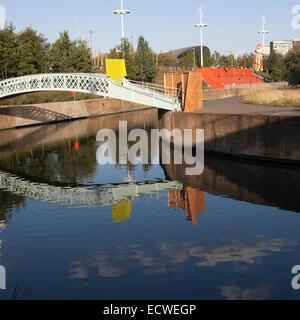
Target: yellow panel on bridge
x,y
116,69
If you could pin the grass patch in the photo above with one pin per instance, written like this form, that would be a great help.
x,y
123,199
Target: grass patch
x,y
277,97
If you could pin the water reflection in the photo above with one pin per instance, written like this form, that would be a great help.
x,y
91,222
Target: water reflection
x,y
237,293
81,196
189,199
64,155
119,231
166,258
244,180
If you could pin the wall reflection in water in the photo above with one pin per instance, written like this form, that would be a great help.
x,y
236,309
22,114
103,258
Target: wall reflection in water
x,y
189,199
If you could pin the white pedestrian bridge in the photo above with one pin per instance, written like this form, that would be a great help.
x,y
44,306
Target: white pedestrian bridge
x,y
82,197
96,84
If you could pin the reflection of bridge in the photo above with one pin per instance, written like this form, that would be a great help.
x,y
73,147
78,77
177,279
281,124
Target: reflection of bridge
x,y
97,84
101,196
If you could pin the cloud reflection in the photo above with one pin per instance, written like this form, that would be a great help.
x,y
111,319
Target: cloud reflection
x,y
237,293
101,263
166,258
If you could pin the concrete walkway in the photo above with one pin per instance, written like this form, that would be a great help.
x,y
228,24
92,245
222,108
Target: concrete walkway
x,y
235,106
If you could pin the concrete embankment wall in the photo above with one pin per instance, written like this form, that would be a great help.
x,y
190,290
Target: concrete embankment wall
x,y
29,138
19,116
222,94
254,136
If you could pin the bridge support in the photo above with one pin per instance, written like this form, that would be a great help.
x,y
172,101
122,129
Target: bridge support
x,y
189,89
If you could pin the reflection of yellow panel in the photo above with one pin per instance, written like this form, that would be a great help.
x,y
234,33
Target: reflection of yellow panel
x,y
122,211
116,69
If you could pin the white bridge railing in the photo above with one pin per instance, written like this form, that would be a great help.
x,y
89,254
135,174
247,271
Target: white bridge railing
x,y
98,196
97,84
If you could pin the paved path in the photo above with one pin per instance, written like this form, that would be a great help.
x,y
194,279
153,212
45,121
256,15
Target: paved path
x,y
235,106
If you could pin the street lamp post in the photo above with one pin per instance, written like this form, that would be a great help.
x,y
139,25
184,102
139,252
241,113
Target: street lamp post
x,y
263,32
122,12
201,25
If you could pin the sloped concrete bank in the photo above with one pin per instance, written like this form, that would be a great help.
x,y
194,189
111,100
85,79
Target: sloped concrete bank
x,y
265,137
25,115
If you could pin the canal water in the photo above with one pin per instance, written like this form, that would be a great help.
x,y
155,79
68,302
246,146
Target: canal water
x,y
71,228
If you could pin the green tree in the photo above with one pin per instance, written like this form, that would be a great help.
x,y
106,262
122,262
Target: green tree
x,y
61,54
33,55
207,59
70,56
125,51
292,61
145,61
8,52
277,67
216,56
188,60
225,61
167,60
246,61
81,57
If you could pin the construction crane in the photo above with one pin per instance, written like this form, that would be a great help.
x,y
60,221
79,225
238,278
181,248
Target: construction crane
x,y
78,30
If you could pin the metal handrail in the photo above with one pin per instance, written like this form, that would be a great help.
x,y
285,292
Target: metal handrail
x,y
173,92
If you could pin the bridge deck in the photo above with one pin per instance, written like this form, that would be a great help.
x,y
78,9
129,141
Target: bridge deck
x,y
97,84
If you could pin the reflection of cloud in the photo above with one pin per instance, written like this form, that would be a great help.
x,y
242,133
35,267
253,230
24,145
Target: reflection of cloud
x,y
166,258
79,273
175,253
102,263
237,252
234,252
152,266
236,293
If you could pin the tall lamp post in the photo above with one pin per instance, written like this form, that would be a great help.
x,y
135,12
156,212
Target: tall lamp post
x,y
201,25
122,12
263,32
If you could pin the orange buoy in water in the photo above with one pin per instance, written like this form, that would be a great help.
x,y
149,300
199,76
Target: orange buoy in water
x,y
76,145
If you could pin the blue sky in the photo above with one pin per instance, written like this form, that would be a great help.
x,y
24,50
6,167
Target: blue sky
x,y
233,24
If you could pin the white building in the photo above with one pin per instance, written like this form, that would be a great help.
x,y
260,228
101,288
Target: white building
x,y
283,47
267,50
